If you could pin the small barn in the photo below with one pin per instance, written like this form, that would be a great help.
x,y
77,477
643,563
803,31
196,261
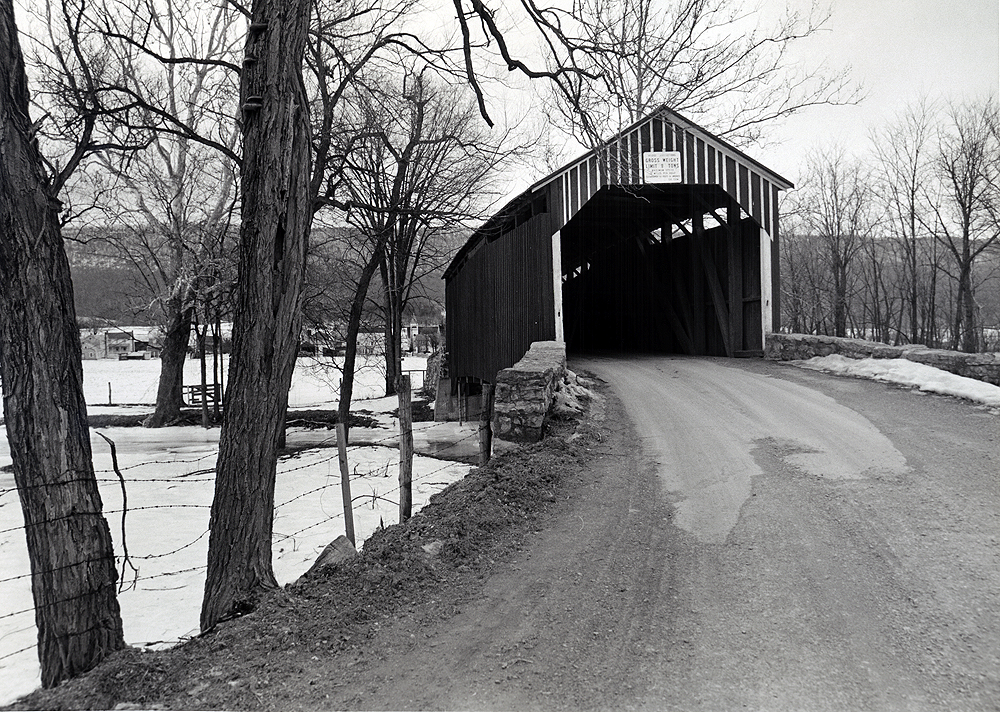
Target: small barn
x,y
664,239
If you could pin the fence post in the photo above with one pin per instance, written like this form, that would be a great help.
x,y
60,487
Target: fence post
x,y
485,426
202,333
345,482
405,449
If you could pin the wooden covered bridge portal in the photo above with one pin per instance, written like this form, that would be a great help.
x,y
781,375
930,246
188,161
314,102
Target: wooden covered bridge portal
x,y
665,239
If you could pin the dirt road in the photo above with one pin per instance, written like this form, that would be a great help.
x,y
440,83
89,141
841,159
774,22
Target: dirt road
x,y
751,536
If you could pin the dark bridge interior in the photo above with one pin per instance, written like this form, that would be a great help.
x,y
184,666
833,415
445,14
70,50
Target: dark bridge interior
x,y
662,268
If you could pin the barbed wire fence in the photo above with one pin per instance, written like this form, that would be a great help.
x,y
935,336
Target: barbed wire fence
x,y
204,475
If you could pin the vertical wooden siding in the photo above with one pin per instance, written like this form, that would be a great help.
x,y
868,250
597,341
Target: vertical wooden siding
x,y
753,337
501,301
704,159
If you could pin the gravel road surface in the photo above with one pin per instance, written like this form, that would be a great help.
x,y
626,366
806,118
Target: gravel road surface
x,y
749,535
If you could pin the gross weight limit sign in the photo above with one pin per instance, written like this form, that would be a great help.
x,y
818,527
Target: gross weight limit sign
x,y
662,166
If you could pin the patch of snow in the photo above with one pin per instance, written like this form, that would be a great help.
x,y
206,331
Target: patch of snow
x,y
572,395
908,373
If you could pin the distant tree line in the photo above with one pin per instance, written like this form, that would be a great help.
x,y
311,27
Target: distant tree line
x,y
901,245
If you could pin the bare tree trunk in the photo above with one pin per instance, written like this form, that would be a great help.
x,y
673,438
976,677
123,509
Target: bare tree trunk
x,y
391,364
169,393
930,335
351,349
840,300
393,338
914,295
393,347
966,328
276,216
216,357
69,544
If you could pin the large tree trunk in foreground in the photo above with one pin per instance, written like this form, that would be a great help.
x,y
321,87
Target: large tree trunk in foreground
x,y
268,310
69,544
169,393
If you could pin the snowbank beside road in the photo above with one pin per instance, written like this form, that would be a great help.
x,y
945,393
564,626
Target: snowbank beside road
x,y
908,373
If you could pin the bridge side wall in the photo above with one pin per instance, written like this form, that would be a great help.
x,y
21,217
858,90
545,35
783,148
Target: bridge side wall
x,y
525,392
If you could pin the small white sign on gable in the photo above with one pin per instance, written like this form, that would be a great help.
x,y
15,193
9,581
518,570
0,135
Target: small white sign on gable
x,y
661,167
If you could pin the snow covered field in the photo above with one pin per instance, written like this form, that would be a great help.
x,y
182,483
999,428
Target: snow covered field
x,y
169,476
315,383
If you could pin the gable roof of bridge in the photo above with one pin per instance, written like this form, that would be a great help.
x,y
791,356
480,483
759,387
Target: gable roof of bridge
x,y
705,159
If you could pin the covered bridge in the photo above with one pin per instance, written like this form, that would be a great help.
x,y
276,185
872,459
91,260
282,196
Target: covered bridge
x,y
664,239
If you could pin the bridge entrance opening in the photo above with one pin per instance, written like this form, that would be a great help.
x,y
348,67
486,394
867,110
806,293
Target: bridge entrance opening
x,y
664,268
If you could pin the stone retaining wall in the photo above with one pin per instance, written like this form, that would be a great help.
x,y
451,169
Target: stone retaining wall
x,y
525,391
794,347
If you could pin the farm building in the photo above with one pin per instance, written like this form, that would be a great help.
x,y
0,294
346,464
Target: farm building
x,y
113,342
663,239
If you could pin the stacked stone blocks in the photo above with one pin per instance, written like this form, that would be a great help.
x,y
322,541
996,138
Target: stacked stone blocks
x,y
525,392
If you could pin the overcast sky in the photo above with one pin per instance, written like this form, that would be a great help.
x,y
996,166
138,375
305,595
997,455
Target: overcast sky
x,y
899,50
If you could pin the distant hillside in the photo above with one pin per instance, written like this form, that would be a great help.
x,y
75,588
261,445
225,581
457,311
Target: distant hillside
x,y
105,286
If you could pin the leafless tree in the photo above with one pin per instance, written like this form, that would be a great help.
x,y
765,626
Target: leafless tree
x,y
350,41
337,304
420,173
166,203
967,164
712,60
904,178
69,543
151,99
834,203
179,194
